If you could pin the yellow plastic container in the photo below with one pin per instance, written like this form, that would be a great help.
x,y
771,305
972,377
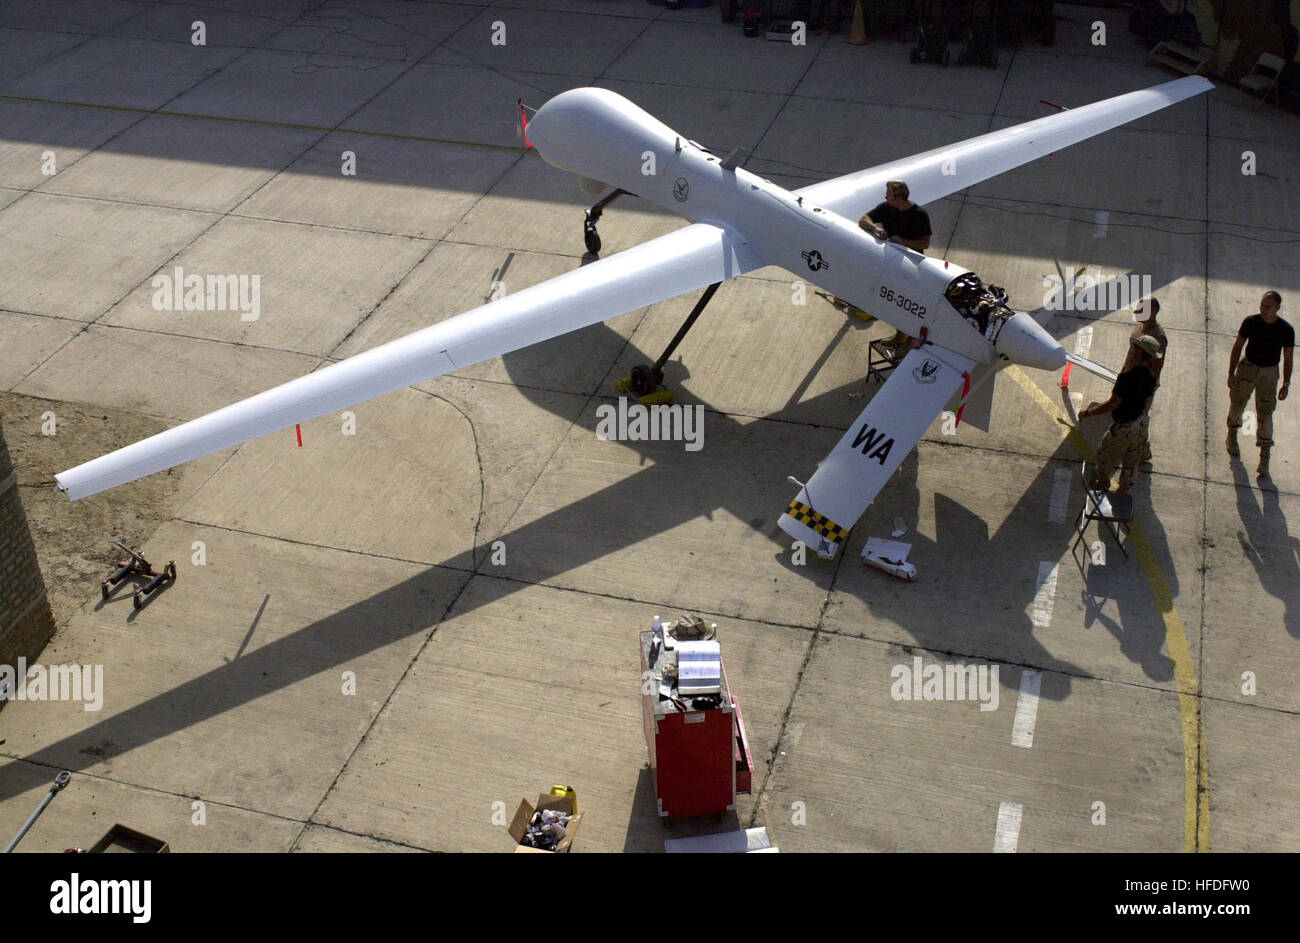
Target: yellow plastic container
x,y
568,792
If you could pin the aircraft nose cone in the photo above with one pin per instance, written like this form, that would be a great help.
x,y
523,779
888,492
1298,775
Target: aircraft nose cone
x,y
596,133
1022,340
549,122
577,122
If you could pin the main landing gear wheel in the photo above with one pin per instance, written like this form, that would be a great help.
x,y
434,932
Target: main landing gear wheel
x,y
645,381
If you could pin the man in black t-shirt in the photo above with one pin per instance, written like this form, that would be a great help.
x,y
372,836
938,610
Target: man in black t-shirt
x,y
1267,339
898,219
1123,443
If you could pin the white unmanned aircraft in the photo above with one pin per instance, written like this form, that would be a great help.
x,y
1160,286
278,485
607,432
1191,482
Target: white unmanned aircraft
x,y
740,222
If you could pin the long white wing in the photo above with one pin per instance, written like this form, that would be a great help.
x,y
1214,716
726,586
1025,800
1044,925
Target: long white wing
x,y
828,506
944,170
688,259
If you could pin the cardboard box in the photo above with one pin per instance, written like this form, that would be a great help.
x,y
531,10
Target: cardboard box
x,y
524,815
121,839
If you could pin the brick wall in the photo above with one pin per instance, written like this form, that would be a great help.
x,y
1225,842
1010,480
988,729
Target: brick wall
x,y
26,622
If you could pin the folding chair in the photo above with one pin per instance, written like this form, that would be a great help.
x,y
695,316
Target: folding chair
x,y
1106,508
1263,77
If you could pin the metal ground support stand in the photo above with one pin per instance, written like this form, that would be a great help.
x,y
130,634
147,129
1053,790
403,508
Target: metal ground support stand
x,y
884,356
137,566
55,788
646,382
882,359
590,237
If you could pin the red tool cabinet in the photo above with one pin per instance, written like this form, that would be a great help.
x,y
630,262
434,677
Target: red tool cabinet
x,y
699,759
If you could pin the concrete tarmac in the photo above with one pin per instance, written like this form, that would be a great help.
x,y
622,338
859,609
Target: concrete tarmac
x,y
430,610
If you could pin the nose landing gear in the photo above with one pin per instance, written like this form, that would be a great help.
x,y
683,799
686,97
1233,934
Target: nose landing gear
x,y
590,237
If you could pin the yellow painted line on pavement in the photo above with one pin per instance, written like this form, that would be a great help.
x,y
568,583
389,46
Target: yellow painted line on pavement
x,y
1196,777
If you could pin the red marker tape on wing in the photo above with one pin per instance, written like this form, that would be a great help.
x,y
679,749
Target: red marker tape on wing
x,y
523,123
965,392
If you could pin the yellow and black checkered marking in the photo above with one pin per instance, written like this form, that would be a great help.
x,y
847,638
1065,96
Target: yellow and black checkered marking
x,y
818,522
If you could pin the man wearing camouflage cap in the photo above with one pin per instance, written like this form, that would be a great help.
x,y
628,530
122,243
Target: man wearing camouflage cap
x,y
1124,442
1144,316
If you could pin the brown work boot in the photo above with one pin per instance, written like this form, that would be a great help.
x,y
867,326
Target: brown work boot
x,y
1233,449
1262,471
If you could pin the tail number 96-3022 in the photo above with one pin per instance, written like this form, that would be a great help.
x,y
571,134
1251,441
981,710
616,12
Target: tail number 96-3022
x,y
907,304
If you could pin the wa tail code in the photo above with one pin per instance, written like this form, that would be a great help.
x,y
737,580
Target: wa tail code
x,y
871,438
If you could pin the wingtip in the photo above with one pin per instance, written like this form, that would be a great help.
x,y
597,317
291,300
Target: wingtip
x,y
1193,84
75,485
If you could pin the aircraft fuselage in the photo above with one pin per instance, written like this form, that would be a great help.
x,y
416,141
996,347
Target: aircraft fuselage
x,y
601,135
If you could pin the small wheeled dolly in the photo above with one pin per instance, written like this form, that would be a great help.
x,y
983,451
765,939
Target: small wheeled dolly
x,y
168,575
134,565
645,381
137,566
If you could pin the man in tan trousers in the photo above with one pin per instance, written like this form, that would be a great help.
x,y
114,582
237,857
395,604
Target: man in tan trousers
x,y
1267,339
1123,443
1144,314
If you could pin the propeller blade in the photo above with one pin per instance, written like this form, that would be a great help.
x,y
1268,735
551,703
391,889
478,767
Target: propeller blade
x,y
1092,367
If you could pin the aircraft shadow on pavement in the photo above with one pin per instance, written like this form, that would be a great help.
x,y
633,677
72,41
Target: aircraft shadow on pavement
x,y
666,492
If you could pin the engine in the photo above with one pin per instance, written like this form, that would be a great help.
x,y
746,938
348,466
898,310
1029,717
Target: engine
x,y
983,307
1015,336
